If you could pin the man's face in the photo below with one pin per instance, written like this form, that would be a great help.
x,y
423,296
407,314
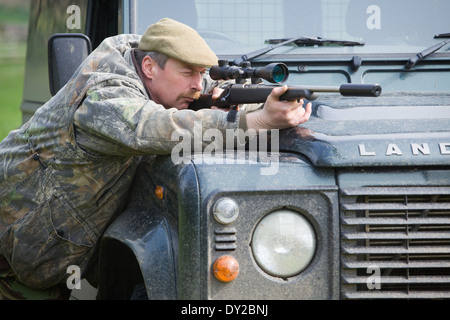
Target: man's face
x,y
175,86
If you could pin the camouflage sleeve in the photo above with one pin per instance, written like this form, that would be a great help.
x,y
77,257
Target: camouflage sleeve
x,y
117,119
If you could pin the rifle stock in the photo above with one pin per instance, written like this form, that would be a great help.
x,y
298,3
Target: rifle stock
x,y
237,94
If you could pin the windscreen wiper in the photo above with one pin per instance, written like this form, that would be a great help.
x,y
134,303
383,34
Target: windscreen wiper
x,y
425,53
318,41
299,41
442,35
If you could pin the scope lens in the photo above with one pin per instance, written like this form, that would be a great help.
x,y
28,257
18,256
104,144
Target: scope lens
x,y
279,73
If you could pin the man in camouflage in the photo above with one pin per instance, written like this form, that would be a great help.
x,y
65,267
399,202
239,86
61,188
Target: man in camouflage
x,y
66,172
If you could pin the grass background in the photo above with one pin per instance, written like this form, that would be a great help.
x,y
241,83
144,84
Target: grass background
x,y
13,28
11,89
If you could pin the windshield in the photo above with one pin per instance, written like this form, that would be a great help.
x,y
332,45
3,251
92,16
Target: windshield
x,y
240,26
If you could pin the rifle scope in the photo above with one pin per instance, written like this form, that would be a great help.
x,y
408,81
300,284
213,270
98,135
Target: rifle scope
x,y
274,72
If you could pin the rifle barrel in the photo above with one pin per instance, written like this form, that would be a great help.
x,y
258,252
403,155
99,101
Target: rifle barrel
x,y
349,89
364,90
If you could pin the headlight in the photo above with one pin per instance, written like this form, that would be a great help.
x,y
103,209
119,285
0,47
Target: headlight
x,y
284,243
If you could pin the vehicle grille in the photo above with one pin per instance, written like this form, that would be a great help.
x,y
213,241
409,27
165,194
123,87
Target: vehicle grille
x,y
400,234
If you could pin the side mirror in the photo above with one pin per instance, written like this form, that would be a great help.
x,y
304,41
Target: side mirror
x,y
66,52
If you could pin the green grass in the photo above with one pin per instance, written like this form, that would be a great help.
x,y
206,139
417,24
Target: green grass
x,y
11,89
14,13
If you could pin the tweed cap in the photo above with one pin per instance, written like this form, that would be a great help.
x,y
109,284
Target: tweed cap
x,y
178,41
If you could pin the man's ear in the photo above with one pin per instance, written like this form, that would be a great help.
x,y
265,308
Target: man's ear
x,y
148,65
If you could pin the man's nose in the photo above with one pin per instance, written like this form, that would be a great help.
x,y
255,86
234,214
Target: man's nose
x,y
197,82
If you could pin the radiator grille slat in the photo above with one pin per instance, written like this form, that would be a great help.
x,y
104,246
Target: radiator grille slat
x,y
396,264
403,280
426,250
397,237
396,221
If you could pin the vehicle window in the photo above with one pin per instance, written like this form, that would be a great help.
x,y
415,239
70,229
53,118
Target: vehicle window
x,y
237,26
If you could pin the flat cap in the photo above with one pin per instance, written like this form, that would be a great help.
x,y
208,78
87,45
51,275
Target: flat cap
x,y
178,41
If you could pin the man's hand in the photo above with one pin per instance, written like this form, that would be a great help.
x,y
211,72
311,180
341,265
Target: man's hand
x,y
278,114
216,95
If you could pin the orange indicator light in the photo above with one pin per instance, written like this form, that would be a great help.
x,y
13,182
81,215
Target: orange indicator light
x,y
160,192
226,268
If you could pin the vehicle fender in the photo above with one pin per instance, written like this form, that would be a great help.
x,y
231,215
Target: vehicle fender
x,y
140,246
140,242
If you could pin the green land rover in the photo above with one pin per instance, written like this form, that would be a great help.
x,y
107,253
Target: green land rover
x,y
353,204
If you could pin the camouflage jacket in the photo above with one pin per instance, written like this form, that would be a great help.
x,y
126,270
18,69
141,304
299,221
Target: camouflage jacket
x,y
66,172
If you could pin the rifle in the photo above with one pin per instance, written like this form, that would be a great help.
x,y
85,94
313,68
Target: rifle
x,y
244,93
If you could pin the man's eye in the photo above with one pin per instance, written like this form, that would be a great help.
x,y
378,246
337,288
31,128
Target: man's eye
x,y
190,73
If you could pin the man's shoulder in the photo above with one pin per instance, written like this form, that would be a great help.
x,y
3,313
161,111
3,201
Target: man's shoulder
x,y
129,40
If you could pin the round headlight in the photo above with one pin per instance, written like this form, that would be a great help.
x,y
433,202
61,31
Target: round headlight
x,y
284,243
225,210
